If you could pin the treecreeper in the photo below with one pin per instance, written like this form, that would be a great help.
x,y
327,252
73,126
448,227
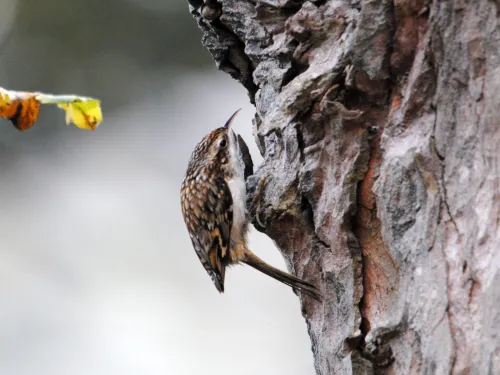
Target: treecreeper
x,y
213,203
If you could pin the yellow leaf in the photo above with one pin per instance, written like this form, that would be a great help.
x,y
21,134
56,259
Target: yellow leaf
x,y
84,114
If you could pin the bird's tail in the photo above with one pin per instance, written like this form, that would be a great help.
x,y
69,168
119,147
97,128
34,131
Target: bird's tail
x,y
303,286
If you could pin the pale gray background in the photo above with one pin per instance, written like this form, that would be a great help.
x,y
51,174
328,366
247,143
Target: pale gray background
x,y
97,273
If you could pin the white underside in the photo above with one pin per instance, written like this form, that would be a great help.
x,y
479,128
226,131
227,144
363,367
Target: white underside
x,y
238,190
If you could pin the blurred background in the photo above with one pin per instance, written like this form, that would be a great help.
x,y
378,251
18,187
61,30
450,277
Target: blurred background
x,y
97,272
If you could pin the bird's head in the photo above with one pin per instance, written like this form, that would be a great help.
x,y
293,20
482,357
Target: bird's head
x,y
217,146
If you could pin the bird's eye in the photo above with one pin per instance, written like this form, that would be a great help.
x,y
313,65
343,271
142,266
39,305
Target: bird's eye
x,y
222,143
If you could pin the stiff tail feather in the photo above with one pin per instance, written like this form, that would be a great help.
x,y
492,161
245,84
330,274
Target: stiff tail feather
x,y
307,288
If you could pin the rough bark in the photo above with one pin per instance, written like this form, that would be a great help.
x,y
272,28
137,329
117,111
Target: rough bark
x,y
380,183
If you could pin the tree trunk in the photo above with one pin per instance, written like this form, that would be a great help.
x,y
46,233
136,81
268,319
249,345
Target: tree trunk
x,y
379,129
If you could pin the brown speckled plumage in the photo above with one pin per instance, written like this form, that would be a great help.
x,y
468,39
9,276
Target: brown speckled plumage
x,y
217,224
207,206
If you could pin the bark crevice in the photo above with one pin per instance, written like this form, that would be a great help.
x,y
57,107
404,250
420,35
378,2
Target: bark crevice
x,y
377,122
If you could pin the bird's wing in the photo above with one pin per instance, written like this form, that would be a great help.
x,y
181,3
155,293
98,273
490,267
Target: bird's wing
x,y
211,235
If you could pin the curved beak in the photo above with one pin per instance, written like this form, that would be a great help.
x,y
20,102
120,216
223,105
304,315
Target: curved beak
x,y
228,122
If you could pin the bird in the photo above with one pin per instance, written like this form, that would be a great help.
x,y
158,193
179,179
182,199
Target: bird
x,y
213,205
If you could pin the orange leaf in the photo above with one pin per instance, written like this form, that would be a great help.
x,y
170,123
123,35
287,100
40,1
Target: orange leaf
x,y
22,112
